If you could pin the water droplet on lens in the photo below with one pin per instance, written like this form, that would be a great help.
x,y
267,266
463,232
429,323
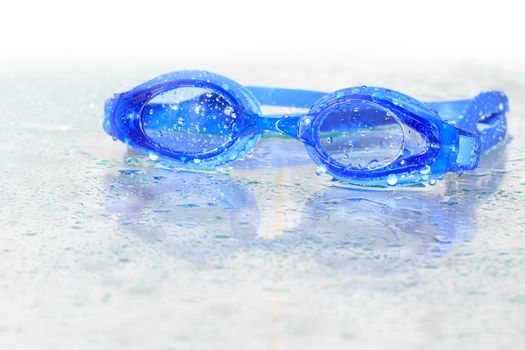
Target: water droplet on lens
x,y
373,164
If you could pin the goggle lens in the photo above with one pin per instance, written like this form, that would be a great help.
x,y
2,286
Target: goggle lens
x,y
189,119
360,135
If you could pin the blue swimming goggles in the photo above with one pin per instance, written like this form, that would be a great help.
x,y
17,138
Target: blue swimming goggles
x,y
363,135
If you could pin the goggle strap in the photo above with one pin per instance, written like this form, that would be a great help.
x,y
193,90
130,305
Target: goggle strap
x,y
483,115
282,97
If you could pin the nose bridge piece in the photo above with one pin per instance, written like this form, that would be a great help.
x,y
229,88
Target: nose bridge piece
x,y
284,124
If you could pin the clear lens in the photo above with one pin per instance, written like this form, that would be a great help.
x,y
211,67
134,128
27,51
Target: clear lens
x,y
189,120
360,135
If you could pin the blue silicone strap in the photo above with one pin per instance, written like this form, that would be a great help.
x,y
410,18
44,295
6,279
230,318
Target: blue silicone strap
x,y
285,97
484,114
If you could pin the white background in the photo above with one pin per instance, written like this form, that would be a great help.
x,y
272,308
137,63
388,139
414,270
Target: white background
x,y
276,29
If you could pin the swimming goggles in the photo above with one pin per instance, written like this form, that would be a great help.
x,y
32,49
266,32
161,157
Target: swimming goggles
x,y
366,136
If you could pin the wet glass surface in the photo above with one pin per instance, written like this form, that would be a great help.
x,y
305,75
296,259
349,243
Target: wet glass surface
x,y
102,248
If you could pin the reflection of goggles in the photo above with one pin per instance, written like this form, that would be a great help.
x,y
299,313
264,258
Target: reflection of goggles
x,y
364,135
206,218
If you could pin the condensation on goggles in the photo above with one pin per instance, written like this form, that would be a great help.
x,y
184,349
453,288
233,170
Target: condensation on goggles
x,y
361,135
189,119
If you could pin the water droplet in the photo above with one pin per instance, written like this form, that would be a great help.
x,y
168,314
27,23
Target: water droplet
x,y
425,170
196,160
501,107
356,110
432,181
442,239
153,157
373,164
391,179
329,139
377,96
320,170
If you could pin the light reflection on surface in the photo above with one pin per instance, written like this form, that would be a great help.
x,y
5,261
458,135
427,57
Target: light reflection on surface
x,y
208,217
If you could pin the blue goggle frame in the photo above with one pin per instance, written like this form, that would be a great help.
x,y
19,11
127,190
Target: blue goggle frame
x,y
453,133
